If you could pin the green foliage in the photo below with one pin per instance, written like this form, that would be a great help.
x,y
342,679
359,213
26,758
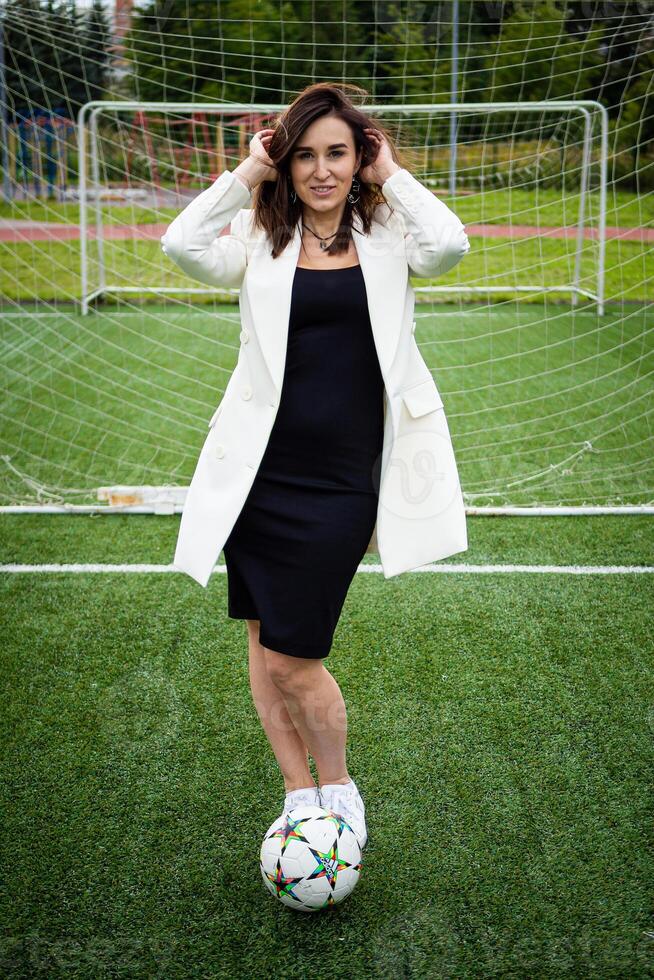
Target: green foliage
x,y
265,51
56,56
183,53
530,67
546,49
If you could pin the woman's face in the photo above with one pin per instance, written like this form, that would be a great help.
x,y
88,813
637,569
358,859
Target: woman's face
x,y
324,156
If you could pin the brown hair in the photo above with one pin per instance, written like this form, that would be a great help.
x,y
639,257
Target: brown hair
x,y
274,211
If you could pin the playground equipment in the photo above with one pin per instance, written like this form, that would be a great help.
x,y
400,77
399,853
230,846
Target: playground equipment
x,y
42,155
187,155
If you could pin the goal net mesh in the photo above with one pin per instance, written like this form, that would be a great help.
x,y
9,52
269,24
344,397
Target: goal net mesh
x,y
540,339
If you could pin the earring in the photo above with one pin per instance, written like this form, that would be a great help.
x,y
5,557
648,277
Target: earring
x,y
355,188
293,194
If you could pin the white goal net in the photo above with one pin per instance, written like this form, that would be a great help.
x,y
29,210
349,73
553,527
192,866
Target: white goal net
x,y
533,121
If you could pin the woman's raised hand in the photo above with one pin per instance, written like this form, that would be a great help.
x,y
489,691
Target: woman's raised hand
x,y
259,151
383,164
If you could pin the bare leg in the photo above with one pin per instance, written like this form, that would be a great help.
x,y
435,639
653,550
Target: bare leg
x,y
290,751
315,703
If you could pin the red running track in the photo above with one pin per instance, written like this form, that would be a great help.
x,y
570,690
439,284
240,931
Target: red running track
x,y
44,231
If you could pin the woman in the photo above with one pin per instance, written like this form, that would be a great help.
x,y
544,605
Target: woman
x,y
311,508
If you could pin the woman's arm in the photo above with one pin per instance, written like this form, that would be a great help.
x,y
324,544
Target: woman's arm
x,y
435,238
193,239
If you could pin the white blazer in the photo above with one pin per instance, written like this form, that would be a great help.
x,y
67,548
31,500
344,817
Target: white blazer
x,y
420,515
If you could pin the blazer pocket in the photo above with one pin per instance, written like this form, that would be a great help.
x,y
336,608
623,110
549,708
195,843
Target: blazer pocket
x,y
422,398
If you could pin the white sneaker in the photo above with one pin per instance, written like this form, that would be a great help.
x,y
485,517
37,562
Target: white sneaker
x,y
301,797
345,800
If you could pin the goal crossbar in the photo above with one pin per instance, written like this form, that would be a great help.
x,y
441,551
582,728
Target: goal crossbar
x,y
87,132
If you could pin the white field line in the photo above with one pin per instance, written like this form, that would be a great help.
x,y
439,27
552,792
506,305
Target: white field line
x,y
166,507
144,569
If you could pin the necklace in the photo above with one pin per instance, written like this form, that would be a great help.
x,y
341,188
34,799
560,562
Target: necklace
x,y
322,240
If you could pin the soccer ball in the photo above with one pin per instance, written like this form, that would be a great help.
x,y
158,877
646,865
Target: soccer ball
x,y
310,859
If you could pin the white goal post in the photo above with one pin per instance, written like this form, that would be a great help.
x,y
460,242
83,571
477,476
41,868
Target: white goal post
x,y
93,188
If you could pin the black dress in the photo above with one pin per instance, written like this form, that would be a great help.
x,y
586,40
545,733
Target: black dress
x,y
310,513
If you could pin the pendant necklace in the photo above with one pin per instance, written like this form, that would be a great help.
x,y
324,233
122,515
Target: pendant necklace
x,y
322,240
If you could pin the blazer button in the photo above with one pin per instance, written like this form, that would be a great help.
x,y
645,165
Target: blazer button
x,y
246,392
244,336
219,451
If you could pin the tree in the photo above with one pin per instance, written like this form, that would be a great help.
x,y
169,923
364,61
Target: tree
x,y
56,57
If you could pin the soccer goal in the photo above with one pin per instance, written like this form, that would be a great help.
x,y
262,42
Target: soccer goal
x,y
537,170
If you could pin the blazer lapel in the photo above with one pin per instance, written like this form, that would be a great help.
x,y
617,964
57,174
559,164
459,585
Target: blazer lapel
x,y
269,286
385,273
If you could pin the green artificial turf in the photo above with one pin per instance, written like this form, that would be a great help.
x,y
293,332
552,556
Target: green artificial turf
x,y
500,731
500,725
544,404
50,270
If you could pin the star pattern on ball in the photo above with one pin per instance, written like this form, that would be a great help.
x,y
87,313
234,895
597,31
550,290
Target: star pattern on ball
x,y
339,821
283,885
291,830
310,859
328,865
